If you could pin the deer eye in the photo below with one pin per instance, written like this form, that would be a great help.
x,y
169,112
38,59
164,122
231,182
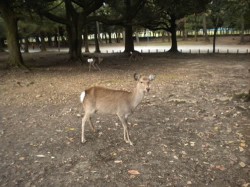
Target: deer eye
x,y
141,82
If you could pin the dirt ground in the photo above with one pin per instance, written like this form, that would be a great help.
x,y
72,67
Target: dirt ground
x,y
192,129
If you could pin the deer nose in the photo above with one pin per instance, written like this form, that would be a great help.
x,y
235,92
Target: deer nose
x,y
148,89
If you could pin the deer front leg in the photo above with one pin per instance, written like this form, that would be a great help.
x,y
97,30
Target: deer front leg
x,y
123,120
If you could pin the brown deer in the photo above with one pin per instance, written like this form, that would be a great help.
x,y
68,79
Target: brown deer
x,y
119,102
93,62
135,56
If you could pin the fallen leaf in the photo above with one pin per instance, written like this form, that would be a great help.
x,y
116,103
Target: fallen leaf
x,y
21,158
241,149
243,144
192,144
246,185
118,161
40,156
242,164
70,139
220,167
133,172
189,182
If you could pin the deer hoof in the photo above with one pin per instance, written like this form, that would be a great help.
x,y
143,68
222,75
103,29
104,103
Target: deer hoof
x,y
84,141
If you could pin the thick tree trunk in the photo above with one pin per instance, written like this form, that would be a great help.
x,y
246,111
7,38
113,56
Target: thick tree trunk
x,y
129,43
75,41
10,21
174,47
74,29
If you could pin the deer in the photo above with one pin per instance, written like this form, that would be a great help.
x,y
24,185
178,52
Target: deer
x,y
109,101
93,62
135,56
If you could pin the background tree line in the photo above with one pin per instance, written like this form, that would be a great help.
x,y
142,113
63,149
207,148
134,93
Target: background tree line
x,y
74,20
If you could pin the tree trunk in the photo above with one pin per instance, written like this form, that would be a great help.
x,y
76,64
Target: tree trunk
x,y
74,29
49,40
86,41
242,28
10,21
185,29
55,40
98,32
1,45
195,28
137,37
174,47
26,44
43,46
97,47
75,40
214,38
110,39
129,43
205,28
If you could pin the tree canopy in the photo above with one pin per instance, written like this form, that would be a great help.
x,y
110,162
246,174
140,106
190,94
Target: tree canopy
x,y
72,19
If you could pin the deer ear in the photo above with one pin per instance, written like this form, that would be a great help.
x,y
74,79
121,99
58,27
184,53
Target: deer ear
x,y
137,76
151,77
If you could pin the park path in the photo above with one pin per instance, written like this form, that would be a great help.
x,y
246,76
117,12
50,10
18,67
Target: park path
x,y
155,48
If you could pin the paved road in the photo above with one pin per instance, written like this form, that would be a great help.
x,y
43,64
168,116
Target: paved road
x,y
155,48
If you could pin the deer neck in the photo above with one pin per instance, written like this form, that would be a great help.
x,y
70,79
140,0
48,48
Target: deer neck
x,y
136,97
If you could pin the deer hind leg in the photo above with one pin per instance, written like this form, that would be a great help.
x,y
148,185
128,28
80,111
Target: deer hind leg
x,y
84,119
97,67
123,120
91,125
132,58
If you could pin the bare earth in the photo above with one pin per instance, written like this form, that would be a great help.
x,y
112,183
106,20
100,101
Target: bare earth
x,y
192,129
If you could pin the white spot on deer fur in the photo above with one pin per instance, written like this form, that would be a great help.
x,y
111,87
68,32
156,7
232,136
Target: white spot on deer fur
x,y
82,96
